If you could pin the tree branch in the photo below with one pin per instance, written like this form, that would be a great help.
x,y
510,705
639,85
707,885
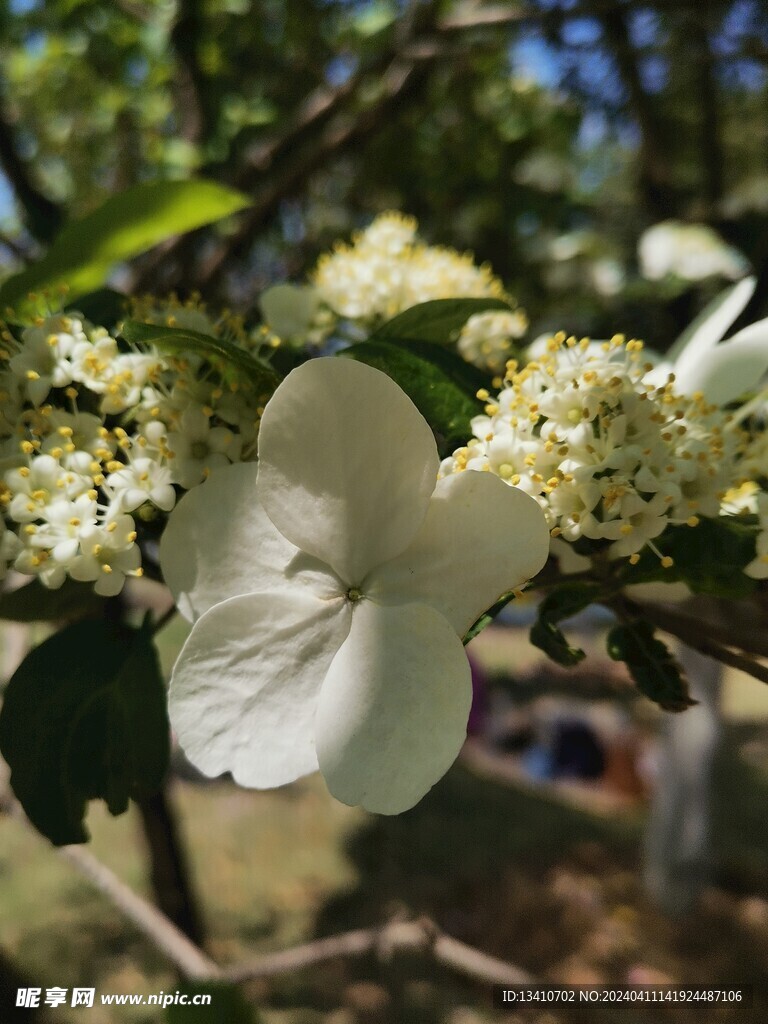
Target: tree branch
x,y
420,936
690,632
153,924
654,171
42,216
400,78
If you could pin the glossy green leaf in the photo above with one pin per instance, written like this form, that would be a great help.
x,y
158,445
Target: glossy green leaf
x,y
33,602
84,253
443,403
84,717
436,321
650,664
568,600
180,339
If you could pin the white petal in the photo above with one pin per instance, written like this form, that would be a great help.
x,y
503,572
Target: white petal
x,y
730,370
244,689
710,326
347,464
220,543
393,708
480,538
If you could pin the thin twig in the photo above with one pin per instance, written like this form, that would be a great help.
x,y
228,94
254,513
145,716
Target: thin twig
x,y
191,961
422,935
691,634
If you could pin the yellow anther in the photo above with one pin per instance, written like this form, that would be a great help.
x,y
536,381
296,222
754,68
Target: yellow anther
x,y
667,562
111,527
131,537
27,447
106,568
33,375
692,521
65,431
74,521
634,559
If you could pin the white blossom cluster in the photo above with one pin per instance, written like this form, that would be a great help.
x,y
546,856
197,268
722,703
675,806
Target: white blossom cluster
x,y
387,269
486,338
97,437
692,252
609,456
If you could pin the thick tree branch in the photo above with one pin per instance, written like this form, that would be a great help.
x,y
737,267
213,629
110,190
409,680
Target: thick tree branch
x,y
41,215
397,83
654,170
193,109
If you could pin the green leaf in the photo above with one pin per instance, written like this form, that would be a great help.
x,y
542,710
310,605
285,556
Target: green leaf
x,y
710,557
84,252
104,307
84,717
180,339
568,600
228,1005
442,402
35,603
652,667
436,321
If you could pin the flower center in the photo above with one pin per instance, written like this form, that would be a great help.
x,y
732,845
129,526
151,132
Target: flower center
x,y
198,449
354,594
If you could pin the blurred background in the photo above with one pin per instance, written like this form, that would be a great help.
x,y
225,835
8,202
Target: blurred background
x,y
610,161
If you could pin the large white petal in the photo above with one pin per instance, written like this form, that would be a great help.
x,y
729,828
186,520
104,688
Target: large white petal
x,y
480,538
730,370
244,689
347,464
219,542
712,323
393,708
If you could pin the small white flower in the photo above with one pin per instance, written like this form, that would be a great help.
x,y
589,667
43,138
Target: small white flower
x,y
145,479
692,252
197,449
10,546
289,310
45,357
486,339
331,595
108,554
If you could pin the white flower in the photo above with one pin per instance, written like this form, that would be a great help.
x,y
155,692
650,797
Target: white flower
x,y
486,338
145,479
108,555
721,372
690,251
330,597
197,449
10,545
289,310
45,357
